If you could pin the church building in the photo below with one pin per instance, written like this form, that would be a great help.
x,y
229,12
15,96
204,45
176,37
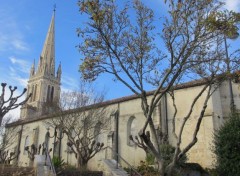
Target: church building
x,y
44,84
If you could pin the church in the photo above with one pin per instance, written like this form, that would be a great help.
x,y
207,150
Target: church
x,y
44,84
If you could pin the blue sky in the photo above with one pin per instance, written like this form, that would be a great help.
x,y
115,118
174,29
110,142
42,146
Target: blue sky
x,y
23,28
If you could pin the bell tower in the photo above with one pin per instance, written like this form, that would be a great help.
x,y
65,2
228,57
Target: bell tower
x,y
44,83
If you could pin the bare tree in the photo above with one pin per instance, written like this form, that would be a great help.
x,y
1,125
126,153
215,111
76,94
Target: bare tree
x,y
82,120
7,139
11,102
126,46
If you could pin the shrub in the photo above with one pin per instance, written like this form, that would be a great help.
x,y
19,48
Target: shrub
x,y
57,162
227,147
150,159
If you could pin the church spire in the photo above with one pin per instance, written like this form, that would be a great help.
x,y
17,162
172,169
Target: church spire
x,y
43,83
47,58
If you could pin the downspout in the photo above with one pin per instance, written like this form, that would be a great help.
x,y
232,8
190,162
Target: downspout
x,y
60,144
117,135
166,116
19,143
54,142
232,105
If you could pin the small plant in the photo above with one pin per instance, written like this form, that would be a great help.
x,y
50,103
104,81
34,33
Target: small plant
x,y
58,162
150,159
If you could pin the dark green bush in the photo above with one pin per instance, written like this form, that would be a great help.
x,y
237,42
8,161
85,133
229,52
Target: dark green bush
x,y
227,147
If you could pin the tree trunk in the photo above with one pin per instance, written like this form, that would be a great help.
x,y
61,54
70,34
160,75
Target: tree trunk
x,y
82,164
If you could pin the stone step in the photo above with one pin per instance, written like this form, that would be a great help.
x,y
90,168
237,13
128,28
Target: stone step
x,y
111,169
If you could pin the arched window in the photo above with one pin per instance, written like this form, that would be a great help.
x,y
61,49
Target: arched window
x,y
131,129
26,144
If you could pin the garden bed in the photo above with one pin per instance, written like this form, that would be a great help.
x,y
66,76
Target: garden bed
x,y
8,170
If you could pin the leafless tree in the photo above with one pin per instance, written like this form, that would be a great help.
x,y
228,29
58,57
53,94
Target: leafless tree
x,y
80,117
11,102
127,47
7,139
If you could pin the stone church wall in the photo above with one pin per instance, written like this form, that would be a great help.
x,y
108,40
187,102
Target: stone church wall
x,y
131,120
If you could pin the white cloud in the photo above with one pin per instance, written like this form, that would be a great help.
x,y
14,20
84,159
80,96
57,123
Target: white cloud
x,y
16,73
69,83
20,64
233,5
11,37
20,45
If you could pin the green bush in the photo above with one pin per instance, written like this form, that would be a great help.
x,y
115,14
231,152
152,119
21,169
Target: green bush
x,y
227,147
57,162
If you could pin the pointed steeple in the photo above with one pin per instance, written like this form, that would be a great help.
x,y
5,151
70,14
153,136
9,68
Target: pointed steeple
x,y
59,72
47,58
32,72
44,84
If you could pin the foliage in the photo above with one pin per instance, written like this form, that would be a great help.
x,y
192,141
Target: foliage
x,y
146,170
129,48
150,159
225,22
58,162
227,147
212,172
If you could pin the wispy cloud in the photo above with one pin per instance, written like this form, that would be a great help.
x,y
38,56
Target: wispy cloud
x,y
20,45
20,64
233,5
69,83
11,37
17,72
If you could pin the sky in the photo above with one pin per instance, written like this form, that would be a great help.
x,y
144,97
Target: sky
x,y
23,28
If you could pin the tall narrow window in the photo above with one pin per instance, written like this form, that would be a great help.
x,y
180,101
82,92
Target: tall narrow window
x,y
26,144
52,93
48,93
35,92
32,91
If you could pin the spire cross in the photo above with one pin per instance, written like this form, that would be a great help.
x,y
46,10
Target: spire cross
x,y
54,7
